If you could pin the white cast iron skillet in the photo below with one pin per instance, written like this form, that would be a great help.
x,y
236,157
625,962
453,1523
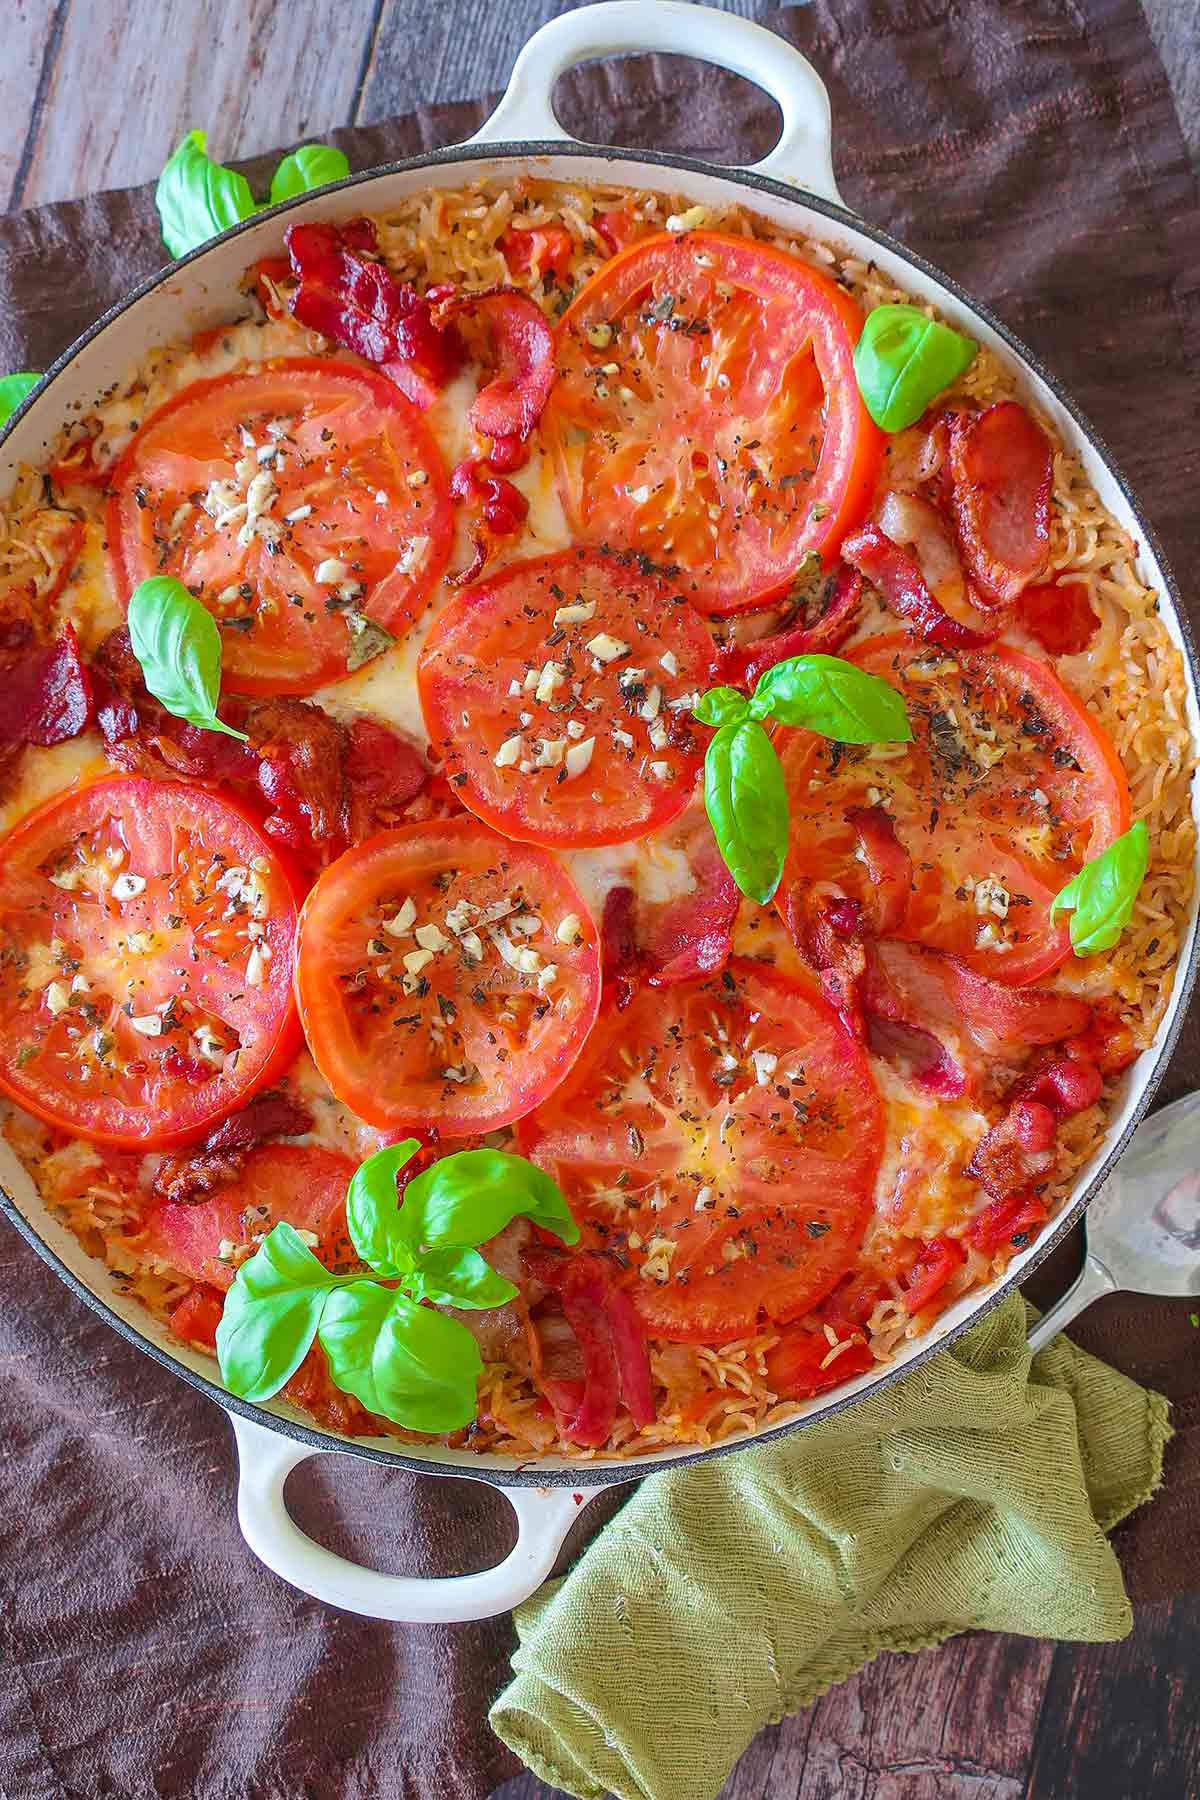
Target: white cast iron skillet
x,y
794,186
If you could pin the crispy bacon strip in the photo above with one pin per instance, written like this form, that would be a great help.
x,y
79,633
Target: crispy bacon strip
x,y
500,511
357,302
888,866
46,695
963,1027
518,344
741,665
187,1179
609,1342
1001,467
665,941
1018,1152
898,577
326,785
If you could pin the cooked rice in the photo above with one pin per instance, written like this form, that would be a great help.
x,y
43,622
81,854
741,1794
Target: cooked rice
x,y
1131,678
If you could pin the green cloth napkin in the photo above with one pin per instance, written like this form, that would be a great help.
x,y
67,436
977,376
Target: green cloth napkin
x,y
974,1494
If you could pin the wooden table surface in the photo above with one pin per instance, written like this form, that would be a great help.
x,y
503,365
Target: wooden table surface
x,y
95,94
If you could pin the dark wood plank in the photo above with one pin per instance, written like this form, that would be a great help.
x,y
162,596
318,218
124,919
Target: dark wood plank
x,y
1122,1719
128,81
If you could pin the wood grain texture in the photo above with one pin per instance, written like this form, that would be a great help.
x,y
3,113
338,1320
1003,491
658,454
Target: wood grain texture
x,y
122,83
95,93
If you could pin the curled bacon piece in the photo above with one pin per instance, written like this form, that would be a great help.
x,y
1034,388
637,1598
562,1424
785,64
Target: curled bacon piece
x,y
898,577
1019,1150
933,1268
187,1179
357,302
888,865
607,1361
1001,468
673,939
501,511
963,1028
325,785
46,695
741,665
517,343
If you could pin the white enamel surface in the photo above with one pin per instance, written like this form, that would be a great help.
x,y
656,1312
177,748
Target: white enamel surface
x,y
205,293
801,156
544,1516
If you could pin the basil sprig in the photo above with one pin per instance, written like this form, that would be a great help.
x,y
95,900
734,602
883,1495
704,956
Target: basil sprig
x,y
177,642
13,389
745,794
904,360
1100,899
197,197
399,1358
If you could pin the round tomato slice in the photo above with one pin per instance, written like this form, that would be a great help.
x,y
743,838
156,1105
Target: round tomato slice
x,y
559,694
307,506
147,935
447,979
1008,787
706,412
720,1140
302,1183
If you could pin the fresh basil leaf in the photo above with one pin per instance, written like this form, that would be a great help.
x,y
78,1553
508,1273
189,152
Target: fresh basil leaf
x,y
452,1277
903,361
465,1199
745,796
721,706
409,1363
177,642
197,198
311,166
13,389
1101,897
271,1314
373,1210
836,698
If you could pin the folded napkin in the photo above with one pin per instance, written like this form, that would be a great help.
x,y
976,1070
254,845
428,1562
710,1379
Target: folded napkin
x,y
976,1493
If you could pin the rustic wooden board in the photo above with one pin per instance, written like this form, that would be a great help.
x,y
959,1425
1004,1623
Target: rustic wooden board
x,y
96,93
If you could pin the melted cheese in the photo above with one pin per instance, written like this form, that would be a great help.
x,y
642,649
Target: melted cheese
x,y
927,1139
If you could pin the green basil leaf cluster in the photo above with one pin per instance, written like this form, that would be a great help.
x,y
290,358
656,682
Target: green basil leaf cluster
x,y
197,197
178,643
745,794
904,360
13,389
400,1358
1100,899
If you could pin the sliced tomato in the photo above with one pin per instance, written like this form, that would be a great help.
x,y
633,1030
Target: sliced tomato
x,y
147,934
197,1316
933,1268
804,1362
1008,788
571,659
354,524
447,979
546,250
302,1183
706,412
1060,616
719,1140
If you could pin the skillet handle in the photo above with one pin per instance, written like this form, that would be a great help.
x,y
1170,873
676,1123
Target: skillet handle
x,y
802,156
266,1458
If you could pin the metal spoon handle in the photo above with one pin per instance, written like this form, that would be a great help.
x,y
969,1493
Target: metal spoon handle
x,y
1093,1281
